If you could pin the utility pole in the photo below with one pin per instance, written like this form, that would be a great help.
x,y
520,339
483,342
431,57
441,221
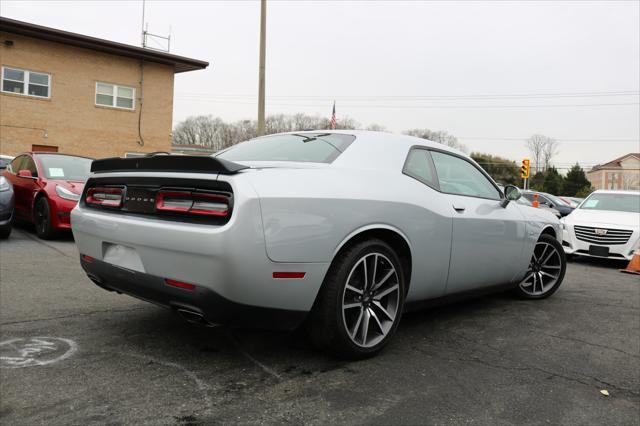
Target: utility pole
x,y
263,32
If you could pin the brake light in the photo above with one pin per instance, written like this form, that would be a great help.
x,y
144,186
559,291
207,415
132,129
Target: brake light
x,y
87,258
196,203
109,197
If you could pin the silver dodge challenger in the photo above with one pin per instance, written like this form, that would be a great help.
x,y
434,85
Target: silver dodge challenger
x,y
337,231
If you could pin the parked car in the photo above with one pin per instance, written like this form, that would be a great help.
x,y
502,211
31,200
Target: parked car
x,y
526,202
607,224
4,161
548,200
571,201
344,229
6,207
551,210
47,187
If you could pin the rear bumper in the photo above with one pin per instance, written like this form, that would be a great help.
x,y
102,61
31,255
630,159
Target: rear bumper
x,y
213,307
227,262
574,246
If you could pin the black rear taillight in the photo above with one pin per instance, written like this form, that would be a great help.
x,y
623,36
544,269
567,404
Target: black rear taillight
x,y
105,196
193,203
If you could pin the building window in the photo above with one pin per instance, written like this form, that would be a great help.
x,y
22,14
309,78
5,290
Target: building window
x,y
115,96
23,82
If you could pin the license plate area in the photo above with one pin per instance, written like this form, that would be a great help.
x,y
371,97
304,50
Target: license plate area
x,y
122,256
139,200
599,251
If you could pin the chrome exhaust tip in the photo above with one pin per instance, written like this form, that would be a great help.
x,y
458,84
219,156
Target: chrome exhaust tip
x,y
194,317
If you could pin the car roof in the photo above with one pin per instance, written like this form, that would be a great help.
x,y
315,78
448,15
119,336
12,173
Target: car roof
x,y
53,153
378,150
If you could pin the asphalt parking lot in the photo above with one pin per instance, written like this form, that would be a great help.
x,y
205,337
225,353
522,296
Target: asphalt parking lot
x,y
495,360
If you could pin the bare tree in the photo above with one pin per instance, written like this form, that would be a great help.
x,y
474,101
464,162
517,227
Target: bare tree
x,y
536,144
376,127
437,136
549,151
630,180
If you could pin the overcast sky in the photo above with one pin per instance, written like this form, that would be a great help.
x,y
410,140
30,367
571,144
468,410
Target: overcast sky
x,y
489,73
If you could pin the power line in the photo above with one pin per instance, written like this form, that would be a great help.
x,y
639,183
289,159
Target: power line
x,y
557,139
636,104
424,97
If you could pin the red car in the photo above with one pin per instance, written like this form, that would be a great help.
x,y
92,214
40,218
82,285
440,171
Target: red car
x,y
47,187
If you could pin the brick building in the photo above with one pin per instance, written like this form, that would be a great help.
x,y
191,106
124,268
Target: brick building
x,y
71,93
621,173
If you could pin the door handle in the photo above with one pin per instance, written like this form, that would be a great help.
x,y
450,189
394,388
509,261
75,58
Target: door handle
x,y
459,208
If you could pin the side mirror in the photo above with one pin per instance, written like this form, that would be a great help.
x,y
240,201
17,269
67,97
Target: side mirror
x,y
511,193
25,174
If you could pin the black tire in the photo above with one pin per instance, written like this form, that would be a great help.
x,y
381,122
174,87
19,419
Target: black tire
x,y
5,231
558,262
326,326
42,219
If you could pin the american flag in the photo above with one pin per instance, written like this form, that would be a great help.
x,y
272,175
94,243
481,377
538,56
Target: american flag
x,y
333,121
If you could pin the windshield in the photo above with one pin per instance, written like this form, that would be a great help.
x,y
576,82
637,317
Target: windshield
x,y
304,147
613,202
555,200
65,167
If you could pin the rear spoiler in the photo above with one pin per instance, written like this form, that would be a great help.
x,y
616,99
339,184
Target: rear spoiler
x,y
167,163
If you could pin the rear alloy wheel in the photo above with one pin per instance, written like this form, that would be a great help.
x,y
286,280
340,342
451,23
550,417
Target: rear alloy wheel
x,y
370,300
546,270
42,219
361,301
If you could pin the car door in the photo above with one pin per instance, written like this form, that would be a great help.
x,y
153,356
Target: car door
x,y
487,235
18,183
430,230
24,187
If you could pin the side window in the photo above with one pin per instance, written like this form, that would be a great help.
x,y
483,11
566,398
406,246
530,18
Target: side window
x,y
419,166
458,176
30,165
16,164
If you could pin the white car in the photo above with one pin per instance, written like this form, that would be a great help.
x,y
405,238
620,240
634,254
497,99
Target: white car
x,y
606,224
337,230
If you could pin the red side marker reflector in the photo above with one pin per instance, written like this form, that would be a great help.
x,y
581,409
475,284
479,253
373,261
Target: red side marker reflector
x,y
294,275
180,284
87,259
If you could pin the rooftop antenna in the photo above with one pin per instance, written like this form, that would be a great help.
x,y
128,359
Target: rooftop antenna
x,y
161,43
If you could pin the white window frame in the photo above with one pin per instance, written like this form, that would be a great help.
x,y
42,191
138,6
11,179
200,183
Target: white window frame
x,y
26,82
115,96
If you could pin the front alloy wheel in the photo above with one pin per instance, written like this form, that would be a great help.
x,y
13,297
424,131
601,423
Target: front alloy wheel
x,y
546,269
42,219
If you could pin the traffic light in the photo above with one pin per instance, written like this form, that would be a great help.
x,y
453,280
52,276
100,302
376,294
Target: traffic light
x,y
525,169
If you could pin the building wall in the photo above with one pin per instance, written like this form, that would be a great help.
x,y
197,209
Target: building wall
x,y
625,177
69,119
596,179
